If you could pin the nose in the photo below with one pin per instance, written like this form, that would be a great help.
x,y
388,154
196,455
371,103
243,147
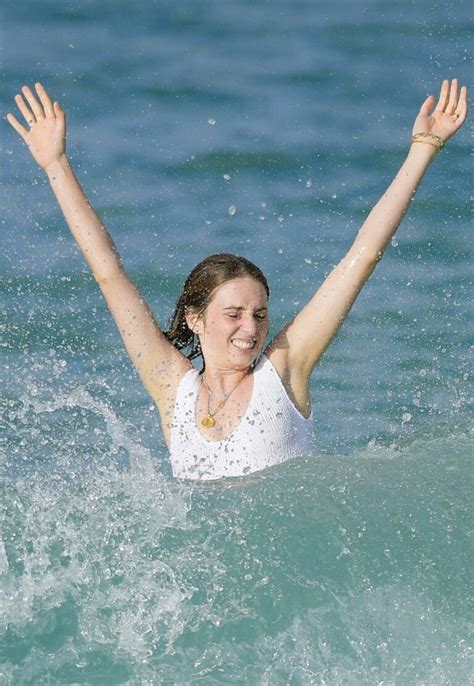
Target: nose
x,y
249,325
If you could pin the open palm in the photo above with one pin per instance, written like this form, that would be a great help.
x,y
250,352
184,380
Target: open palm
x,y
46,137
449,114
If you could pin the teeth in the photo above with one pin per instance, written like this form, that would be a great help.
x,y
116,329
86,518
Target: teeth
x,y
244,345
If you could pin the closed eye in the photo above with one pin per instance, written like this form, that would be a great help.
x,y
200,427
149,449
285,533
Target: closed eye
x,y
235,314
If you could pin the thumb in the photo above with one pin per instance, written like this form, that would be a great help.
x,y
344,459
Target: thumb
x,y
427,106
58,111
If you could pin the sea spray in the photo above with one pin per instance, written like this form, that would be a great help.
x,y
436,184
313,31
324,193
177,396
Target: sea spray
x,y
326,570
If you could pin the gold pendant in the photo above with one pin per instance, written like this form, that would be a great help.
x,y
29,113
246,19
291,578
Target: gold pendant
x,y
208,422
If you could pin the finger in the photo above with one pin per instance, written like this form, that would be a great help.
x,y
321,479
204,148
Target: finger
x,y
461,109
427,106
443,96
11,119
29,116
33,103
45,100
453,97
58,111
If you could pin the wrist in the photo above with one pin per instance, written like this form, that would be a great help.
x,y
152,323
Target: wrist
x,y
429,139
61,163
422,151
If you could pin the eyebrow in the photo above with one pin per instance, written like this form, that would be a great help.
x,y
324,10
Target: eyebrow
x,y
235,307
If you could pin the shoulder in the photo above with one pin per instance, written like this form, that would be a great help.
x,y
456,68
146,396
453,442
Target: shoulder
x,y
179,400
292,376
188,381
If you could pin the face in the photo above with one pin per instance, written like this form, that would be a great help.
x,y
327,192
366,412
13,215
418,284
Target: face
x,y
234,326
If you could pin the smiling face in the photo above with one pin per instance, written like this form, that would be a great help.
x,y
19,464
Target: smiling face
x,y
233,328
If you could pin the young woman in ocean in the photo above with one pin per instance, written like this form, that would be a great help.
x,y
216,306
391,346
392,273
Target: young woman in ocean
x,y
249,407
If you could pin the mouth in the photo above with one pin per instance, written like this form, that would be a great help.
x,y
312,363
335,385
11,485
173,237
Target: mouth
x,y
243,344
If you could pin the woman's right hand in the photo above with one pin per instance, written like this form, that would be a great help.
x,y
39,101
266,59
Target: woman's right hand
x,y
46,137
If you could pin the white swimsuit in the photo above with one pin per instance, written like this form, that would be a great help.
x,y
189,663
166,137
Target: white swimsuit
x,y
271,431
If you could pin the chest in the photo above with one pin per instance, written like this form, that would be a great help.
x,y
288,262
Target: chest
x,y
217,417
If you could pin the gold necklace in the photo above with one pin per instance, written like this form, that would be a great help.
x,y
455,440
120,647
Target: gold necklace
x,y
208,422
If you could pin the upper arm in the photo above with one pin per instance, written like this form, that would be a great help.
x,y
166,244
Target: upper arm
x,y
302,342
159,363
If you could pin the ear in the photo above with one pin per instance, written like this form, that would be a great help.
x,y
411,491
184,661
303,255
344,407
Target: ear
x,y
194,321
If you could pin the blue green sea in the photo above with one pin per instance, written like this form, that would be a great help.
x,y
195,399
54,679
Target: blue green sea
x,y
268,129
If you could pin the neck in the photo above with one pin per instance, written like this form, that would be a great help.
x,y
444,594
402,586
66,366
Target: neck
x,y
223,381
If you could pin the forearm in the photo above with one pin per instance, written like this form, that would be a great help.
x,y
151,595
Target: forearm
x,y
384,219
86,227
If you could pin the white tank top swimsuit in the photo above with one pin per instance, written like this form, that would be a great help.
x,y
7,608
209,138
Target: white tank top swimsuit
x,y
271,431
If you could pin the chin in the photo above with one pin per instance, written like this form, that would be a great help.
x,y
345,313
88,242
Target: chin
x,y
249,355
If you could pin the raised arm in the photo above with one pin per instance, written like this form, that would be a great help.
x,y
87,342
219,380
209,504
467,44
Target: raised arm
x,y
299,346
159,364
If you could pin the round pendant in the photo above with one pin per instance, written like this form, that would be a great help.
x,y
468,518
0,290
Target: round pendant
x,y
208,422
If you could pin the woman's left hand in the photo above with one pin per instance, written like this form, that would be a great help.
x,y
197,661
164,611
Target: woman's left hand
x,y
449,114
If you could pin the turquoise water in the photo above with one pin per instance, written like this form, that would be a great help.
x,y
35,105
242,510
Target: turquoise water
x,y
351,566
338,570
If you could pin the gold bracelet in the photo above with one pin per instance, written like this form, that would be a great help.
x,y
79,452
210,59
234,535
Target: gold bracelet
x,y
429,138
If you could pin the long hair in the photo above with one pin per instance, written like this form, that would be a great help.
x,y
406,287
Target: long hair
x,y
198,289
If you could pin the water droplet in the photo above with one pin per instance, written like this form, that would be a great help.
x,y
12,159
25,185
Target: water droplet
x,y
344,551
211,121
232,210
334,196
227,177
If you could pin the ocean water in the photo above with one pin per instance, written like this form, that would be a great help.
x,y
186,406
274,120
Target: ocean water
x,y
347,567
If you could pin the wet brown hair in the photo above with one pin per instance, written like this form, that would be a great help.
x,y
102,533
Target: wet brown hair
x,y
197,292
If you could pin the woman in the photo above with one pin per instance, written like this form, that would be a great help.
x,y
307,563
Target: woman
x,y
249,407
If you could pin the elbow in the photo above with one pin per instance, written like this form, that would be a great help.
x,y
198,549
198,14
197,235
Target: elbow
x,y
375,259
108,277
363,258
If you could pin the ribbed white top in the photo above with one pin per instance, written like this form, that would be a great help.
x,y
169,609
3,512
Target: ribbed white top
x,y
271,431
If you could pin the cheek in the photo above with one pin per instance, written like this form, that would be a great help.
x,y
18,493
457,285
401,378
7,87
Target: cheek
x,y
262,330
217,327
